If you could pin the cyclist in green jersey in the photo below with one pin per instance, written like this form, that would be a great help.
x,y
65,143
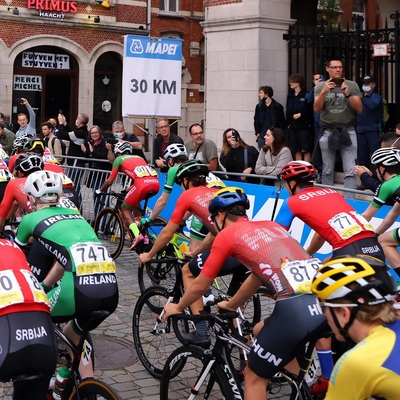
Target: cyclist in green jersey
x,y
82,264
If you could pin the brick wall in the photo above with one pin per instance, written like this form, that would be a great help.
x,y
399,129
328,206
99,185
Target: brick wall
x,y
212,3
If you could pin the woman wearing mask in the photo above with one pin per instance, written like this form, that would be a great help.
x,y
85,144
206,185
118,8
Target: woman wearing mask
x,y
274,155
238,156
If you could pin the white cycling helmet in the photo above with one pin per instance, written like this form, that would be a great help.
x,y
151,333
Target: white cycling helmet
x,y
46,185
386,156
122,147
175,150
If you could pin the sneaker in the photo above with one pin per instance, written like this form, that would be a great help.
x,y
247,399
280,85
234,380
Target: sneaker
x,y
194,338
138,240
319,387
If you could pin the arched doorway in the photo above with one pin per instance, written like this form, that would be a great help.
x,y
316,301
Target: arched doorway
x,y
107,106
47,76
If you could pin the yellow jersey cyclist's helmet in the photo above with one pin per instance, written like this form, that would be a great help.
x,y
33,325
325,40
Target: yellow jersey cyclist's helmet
x,y
34,145
227,198
46,185
360,279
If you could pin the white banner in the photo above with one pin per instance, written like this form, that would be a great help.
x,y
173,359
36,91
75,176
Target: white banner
x,y
151,80
45,60
31,83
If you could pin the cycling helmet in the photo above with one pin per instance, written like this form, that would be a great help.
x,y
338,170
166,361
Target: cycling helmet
x,y
46,185
28,163
228,197
361,279
19,142
31,143
386,156
298,170
175,150
190,169
122,148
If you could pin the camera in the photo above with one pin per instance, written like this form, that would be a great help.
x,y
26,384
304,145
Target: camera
x,y
112,141
19,100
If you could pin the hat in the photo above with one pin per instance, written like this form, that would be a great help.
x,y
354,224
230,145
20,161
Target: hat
x,y
369,79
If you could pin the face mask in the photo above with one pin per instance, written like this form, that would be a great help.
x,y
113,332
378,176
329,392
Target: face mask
x,y
118,135
366,88
76,123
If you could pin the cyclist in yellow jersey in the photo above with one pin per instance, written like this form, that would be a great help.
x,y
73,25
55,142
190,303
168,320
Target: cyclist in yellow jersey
x,y
356,295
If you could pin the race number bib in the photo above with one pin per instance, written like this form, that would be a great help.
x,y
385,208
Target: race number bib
x,y
345,225
10,291
91,258
5,175
144,170
66,203
300,274
37,291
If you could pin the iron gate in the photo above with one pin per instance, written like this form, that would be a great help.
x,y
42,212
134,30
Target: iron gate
x,y
311,48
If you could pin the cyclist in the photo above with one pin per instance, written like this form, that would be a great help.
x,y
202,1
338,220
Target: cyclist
x,y
356,294
27,340
5,177
145,184
262,246
83,265
327,213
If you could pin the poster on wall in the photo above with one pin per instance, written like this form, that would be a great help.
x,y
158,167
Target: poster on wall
x,y
151,78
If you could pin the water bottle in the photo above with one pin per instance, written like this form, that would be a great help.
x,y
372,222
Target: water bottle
x,y
61,383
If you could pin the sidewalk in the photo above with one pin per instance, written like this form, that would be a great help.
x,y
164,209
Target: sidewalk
x,y
116,361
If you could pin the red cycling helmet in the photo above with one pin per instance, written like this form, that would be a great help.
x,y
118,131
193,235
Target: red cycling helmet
x,y
299,170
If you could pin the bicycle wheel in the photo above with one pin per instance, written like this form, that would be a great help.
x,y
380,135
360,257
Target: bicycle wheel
x,y
153,228
110,230
93,389
152,342
163,274
185,374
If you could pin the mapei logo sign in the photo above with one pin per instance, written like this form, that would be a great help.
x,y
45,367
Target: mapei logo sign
x,y
145,47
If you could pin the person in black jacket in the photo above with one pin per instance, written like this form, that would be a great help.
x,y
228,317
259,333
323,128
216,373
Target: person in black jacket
x,y
237,156
76,137
274,117
163,139
299,116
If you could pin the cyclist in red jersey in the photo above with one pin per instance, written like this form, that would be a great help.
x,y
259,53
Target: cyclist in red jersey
x,y
145,184
27,340
262,246
327,213
5,177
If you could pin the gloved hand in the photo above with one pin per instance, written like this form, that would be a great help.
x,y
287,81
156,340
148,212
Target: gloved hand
x,y
145,220
97,192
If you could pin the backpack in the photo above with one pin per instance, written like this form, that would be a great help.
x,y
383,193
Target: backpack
x,y
63,145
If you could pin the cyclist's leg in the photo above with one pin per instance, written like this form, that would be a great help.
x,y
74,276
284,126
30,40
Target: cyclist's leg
x,y
198,232
389,241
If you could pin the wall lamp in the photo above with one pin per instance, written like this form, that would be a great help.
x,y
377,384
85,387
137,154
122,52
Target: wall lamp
x,y
104,3
15,10
96,19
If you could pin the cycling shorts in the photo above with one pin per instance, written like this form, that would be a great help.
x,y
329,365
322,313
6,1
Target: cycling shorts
x,y
396,235
368,246
39,260
231,266
293,323
28,345
197,229
140,190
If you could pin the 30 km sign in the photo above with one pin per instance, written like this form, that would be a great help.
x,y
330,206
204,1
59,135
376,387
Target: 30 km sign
x,y
152,71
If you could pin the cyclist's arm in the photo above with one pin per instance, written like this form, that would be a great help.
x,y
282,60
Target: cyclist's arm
x,y
204,245
54,275
390,219
316,243
248,288
370,212
285,215
160,204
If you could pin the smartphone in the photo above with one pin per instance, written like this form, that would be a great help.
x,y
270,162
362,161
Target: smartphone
x,y
338,84
235,135
19,100
112,141
60,111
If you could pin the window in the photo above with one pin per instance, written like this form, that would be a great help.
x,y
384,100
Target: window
x,y
359,11
169,5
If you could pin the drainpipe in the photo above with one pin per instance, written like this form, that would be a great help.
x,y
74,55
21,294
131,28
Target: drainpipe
x,y
148,22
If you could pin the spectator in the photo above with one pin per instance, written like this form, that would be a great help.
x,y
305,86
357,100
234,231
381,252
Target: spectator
x,y
369,123
237,156
51,141
398,129
274,155
259,113
95,149
310,99
162,141
26,125
120,134
9,126
76,138
299,119
273,115
202,149
6,138
338,100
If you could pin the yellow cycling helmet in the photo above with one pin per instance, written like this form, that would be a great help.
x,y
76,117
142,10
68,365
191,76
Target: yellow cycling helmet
x,y
361,279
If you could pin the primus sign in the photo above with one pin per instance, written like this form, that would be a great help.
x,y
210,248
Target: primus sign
x,y
54,5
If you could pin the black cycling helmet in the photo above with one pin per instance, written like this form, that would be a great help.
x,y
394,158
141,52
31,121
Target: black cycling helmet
x,y
228,197
386,156
361,279
299,171
191,169
28,163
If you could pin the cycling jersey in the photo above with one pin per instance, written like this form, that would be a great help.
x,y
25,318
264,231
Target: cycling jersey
x,y
14,192
194,200
5,177
371,368
89,281
327,213
388,192
144,177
